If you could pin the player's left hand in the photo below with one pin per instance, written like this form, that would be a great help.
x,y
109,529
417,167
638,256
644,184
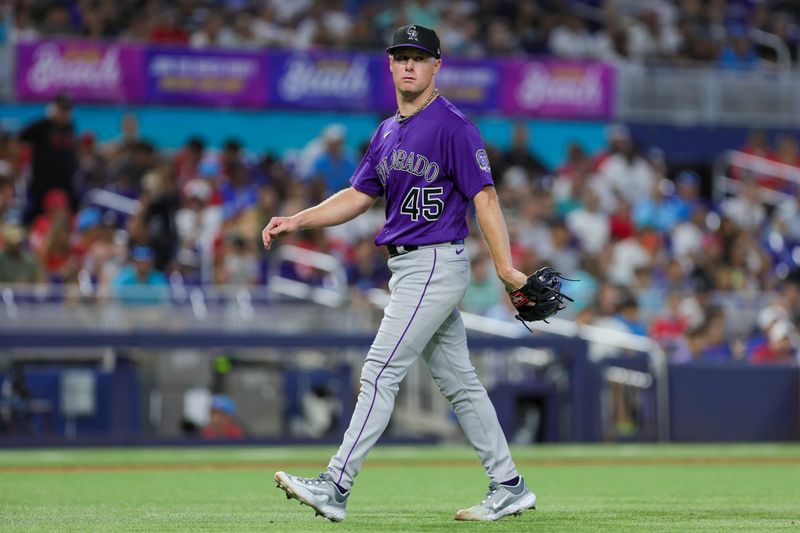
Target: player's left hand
x,y
277,226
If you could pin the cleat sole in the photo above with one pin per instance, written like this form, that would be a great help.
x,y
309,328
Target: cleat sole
x,y
292,494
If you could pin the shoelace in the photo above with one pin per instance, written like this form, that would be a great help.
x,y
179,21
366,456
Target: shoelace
x,y
319,480
491,492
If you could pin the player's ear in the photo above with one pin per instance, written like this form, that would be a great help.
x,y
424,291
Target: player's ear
x,y
436,66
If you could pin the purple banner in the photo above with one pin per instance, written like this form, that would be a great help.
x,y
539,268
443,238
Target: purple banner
x,y
558,89
180,76
469,84
88,71
319,80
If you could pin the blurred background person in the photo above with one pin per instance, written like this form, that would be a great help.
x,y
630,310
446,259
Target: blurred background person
x,y
53,155
17,264
139,283
222,420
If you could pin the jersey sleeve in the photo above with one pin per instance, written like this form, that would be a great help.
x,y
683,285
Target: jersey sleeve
x,y
365,178
468,161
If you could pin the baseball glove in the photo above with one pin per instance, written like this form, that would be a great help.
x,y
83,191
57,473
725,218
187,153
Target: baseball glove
x,y
541,297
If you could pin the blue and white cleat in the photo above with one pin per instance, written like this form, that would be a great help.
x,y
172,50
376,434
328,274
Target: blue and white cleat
x,y
501,500
319,493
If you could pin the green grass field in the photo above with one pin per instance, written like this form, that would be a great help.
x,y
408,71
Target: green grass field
x,y
579,488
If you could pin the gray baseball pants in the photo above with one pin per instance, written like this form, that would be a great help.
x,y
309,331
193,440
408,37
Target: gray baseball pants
x,y
422,320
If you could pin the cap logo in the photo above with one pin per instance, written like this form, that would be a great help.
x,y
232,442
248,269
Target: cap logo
x,y
412,32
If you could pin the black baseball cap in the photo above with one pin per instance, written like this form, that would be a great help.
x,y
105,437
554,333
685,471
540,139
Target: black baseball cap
x,y
417,36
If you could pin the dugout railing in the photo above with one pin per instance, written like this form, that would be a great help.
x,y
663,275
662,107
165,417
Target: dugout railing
x,y
548,384
564,383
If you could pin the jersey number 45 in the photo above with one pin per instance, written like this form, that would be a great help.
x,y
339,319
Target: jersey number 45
x,y
423,201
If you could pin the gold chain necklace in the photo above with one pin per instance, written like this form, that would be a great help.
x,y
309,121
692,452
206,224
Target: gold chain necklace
x,y
401,118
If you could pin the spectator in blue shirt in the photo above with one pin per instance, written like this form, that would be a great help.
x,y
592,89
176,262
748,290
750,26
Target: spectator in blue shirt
x,y
687,194
739,54
139,283
628,314
239,193
331,170
661,210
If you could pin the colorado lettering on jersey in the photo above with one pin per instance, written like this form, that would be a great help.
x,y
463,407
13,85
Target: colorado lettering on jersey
x,y
416,164
428,170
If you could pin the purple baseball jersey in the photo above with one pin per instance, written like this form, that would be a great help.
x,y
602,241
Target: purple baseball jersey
x,y
428,168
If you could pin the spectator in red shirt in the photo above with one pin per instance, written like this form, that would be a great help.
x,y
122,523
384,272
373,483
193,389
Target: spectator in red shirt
x,y
222,423
168,31
56,211
668,328
780,346
757,145
787,152
621,222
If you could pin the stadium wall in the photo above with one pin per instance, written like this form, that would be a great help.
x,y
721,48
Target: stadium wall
x,y
734,403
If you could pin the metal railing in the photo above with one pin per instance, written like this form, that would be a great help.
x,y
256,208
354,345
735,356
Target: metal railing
x,y
408,405
687,96
288,305
732,168
232,309
783,56
334,291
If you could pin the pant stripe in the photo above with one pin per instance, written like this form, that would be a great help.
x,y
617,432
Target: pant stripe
x,y
375,393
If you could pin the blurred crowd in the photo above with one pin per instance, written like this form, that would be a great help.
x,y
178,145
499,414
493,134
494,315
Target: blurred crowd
x,y
723,32
653,253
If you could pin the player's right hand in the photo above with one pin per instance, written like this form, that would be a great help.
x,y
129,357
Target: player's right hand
x,y
277,226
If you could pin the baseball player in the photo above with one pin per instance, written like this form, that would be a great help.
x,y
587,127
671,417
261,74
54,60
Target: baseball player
x,y
428,162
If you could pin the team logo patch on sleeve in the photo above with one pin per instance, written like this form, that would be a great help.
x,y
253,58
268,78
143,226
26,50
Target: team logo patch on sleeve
x,y
483,160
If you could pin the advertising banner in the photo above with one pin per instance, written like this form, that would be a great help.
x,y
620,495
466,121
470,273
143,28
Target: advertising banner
x,y
317,80
214,78
469,84
558,89
326,80
89,71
